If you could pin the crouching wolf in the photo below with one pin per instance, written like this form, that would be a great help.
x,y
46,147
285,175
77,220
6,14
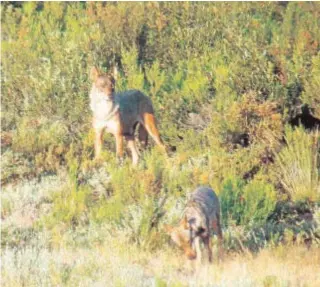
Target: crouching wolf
x,y
201,217
119,113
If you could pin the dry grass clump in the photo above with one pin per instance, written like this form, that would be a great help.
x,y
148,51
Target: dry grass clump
x,y
114,263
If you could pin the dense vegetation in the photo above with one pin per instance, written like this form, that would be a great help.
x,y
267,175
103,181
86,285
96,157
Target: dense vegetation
x,y
226,80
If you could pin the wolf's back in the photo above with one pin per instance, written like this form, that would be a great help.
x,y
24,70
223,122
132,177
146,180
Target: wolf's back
x,y
133,102
133,105
203,207
207,199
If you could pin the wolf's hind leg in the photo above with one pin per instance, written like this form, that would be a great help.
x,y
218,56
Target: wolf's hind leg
x,y
143,135
119,144
150,126
134,151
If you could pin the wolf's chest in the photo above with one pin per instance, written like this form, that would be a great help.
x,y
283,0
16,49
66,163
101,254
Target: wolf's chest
x,y
112,125
104,113
101,109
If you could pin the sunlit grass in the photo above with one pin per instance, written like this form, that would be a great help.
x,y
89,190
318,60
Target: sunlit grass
x,y
115,263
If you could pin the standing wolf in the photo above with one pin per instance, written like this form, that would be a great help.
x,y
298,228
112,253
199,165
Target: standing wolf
x,y
119,113
201,217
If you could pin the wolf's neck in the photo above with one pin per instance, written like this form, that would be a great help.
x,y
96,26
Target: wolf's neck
x,y
109,98
109,102
101,105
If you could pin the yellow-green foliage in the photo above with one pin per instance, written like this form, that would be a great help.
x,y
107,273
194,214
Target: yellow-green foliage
x,y
224,80
298,165
134,75
156,78
247,204
69,208
33,136
312,85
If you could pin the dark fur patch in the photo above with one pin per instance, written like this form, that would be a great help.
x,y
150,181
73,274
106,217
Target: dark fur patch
x,y
200,231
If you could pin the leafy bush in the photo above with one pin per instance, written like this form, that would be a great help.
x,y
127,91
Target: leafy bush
x,y
70,207
298,165
312,84
231,201
259,202
248,204
139,222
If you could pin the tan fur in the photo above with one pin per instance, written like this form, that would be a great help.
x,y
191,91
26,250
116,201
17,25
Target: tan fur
x,y
119,114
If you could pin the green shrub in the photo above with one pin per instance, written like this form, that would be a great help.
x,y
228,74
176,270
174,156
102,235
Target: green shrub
x,y
34,136
69,209
134,75
70,206
139,222
231,200
259,202
156,78
312,85
298,165
248,204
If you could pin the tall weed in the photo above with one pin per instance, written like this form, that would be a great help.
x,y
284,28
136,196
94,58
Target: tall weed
x,y
298,165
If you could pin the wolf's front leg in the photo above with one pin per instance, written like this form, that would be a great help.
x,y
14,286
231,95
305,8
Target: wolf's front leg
x,y
216,224
119,143
207,244
98,142
197,247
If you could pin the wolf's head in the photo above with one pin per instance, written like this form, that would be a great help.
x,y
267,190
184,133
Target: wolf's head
x,y
180,235
103,82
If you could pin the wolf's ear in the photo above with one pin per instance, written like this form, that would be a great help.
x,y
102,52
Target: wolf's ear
x,y
167,228
94,74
